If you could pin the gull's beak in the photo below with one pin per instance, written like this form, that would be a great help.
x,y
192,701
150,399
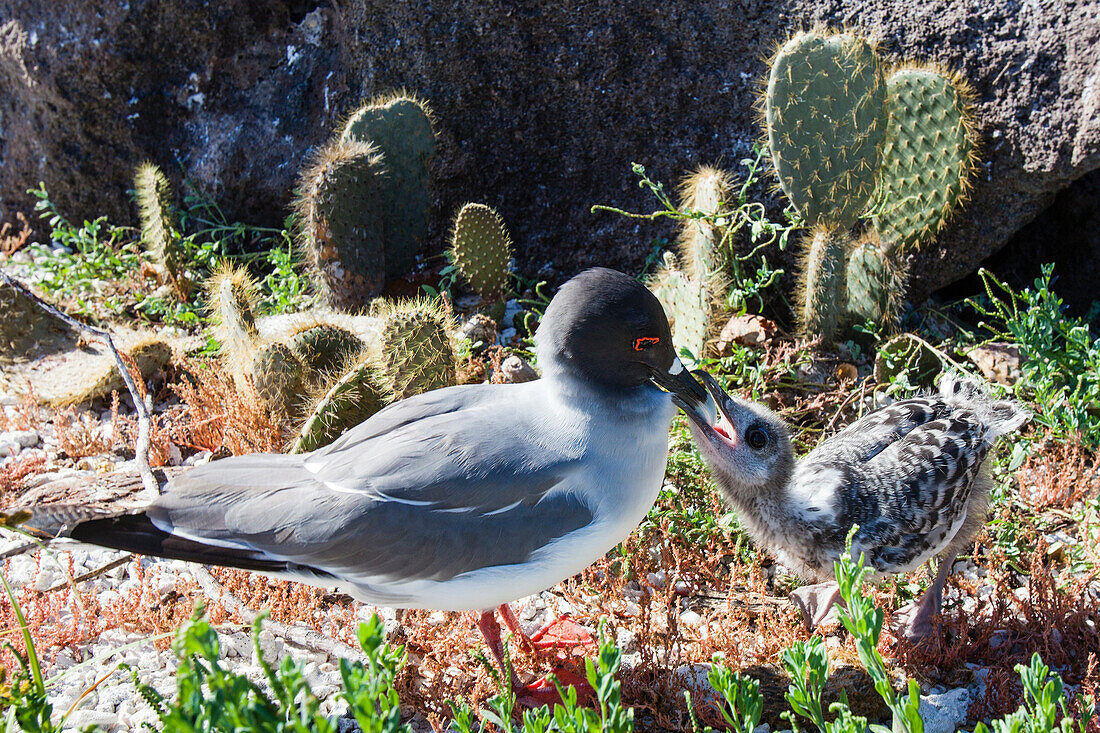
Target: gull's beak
x,y
716,399
687,393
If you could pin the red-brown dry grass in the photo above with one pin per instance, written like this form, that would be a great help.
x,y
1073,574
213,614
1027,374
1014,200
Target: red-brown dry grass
x,y
218,417
1058,477
1058,617
14,473
27,416
78,434
13,240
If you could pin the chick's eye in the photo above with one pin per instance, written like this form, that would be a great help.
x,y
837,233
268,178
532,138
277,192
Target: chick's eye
x,y
646,342
756,438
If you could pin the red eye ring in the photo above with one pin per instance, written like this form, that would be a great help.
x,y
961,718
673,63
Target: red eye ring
x,y
646,342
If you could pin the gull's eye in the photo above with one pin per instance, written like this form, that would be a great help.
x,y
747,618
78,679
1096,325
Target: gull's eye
x,y
646,342
756,438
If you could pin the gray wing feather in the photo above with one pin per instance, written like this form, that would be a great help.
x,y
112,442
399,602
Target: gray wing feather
x,y
398,498
908,473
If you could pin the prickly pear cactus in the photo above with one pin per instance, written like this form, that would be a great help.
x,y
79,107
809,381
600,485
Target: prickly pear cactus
x,y
415,354
349,400
231,297
481,249
278,376
825,111
158,226
341,211
686,306
324,347
821,287
875,282
929,156
700,240
400,126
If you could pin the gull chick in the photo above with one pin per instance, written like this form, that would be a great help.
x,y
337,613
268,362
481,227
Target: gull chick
x,y
913,475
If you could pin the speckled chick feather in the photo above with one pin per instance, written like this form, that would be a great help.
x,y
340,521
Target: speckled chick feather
x,y
913,475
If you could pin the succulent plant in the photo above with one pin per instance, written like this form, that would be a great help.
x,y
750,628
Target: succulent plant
x,y
700,239
150,354
875,281
278,376
399,126
158,226
481,250
324,347
341,212
686,304
821,288
826,117
349,400
929,156
231,298
414,352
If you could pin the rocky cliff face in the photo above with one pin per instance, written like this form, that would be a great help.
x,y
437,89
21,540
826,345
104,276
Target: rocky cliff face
x,y
541,106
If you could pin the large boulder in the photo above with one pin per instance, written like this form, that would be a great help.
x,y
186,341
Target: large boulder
x,y
541,106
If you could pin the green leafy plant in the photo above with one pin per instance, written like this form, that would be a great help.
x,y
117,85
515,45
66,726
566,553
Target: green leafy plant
x,y
1060,359
209,697
1044,707
807,664
863,620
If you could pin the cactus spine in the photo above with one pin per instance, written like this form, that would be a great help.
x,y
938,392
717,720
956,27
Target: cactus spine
x,y
826,118
340,213
348,401
415,354
400,127
481,250
158,226
929,155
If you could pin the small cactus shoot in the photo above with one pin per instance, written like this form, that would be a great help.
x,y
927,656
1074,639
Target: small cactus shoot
x,y
481,250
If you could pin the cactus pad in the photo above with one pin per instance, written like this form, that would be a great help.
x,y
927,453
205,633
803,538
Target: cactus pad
x,y
340,211
154,197
415,353
686,306
400,127
278,376
324,347
826,118
875,283
929,154
821,283
481,249
346,402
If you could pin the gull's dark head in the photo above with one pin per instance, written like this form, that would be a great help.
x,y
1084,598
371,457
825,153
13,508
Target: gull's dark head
x,y
748,449
607,329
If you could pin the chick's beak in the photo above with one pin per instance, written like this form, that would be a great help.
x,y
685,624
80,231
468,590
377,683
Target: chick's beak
x,y
687,393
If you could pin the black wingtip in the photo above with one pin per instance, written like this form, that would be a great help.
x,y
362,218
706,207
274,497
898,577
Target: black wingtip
x,y
136,533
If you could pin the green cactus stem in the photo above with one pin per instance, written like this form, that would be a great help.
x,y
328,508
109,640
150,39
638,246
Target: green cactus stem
x,y
400,127
158,226
821,288
481,250
341,210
